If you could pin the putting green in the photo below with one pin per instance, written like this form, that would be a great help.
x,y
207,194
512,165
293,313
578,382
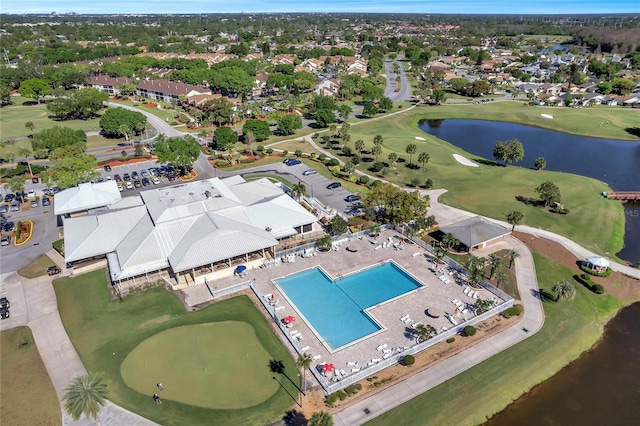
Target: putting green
x,y
219,365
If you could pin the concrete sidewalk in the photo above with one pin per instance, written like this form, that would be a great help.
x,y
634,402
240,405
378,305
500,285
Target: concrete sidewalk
x,y
531,322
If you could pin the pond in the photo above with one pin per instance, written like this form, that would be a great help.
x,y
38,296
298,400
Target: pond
x,y
615,162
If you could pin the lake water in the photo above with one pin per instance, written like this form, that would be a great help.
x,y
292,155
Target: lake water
x,y
615,162
602,387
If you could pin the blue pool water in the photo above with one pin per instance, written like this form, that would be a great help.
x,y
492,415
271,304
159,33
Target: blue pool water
x,y
335,309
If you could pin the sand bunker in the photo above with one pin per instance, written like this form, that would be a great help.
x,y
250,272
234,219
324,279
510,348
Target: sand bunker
x,y
464,161
549,116
420,138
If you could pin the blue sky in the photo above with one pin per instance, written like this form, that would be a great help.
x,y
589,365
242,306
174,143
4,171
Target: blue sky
x,y
373,6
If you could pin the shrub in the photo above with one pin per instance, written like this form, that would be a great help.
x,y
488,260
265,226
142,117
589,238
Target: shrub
x,y
363,180
353,389
469,330
269,151
451,339
513,311
598,289
333,162
285,153
595,273
415,182
375,183
342,395
322,157
331,399
377,166
428,184
298,153
408,360
260,148
585,277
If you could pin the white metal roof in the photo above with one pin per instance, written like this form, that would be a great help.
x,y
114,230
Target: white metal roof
x,y
86,196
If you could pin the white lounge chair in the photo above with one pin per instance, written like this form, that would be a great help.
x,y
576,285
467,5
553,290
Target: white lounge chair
x,y
352,364
343,373
381,347
306,348
376,360
279,308
387,355
316,357
378,247
404,317
407,321
355,370
466,290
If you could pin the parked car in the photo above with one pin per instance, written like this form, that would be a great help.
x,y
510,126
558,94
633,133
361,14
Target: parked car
x,y
120,187
137,183
31,194
34,203
153,171
107,168
129,185
171,177
9,197
126,177
334,185
135,175
4,313
162,170
144,173
46,202
5,240
352,197
53,270
4,302
117,178
292,162
9,227
15,207
145,182
309,172
4,208
155,181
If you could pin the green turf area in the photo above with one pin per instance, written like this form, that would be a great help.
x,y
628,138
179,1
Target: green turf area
x,y
491,190
13,119
100,328
570,328
214,365
28,396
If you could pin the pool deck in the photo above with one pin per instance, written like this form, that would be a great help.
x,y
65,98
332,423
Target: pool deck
x,y
435,295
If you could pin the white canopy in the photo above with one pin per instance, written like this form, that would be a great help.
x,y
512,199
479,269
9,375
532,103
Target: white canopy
x,y
598,261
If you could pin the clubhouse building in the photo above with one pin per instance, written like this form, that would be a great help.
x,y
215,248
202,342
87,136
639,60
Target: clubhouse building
x,y
184,234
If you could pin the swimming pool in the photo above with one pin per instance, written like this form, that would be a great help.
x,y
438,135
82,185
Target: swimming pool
x,y
336,308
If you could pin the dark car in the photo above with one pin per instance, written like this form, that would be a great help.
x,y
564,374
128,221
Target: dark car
x,y
145,182
53,270
334,185
9,197
107,168
135,175
162,170
9,226
45,202
137,183
144,173
126,177
292,162
117,178
4,302
171,177
4,313
352,197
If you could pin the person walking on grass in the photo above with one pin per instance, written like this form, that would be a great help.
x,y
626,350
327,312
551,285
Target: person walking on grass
x,y
160,387
157,399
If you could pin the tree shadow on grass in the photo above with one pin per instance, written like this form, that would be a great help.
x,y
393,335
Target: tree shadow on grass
x,y
294,418
635,131
544,295
528,201
487,162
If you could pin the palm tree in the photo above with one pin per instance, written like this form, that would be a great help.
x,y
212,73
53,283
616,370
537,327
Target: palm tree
x,y
304,362
423,158
333,129
393,157
512,255
299,189
411,149
439,254
450,240
85,395
26,152
474,268
277,366
425,332
321,418
124,130
502,279
494,262
515,217
349,168
564,290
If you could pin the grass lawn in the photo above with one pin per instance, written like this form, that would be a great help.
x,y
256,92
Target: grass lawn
x,y
106,333
37,268
28,396
491,190
570,328
14,117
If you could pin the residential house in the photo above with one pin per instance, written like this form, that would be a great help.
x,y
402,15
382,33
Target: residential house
x,y
550,89
168,91
328,87
108,84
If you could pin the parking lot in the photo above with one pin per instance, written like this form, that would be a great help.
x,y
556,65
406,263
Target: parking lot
x,y
129,169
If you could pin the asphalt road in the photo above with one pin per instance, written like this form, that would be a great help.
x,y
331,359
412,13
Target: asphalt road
x,y
405,87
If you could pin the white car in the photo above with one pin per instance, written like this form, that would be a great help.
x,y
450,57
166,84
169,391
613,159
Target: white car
x,y
120,188
31,194
155,181
129,185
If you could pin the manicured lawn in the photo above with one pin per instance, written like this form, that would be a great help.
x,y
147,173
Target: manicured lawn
x,y
28,396
13,119
37,268
491,190
105,333
570,328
